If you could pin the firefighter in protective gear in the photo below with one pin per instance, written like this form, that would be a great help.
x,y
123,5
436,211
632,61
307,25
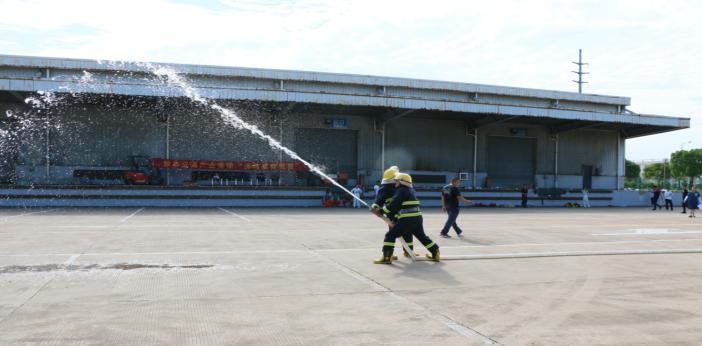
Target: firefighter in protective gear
x,y
385,193
405,205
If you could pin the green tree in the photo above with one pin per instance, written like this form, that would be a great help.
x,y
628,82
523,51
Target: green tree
x,y
656,171
647,186
686,164
632,170
631,184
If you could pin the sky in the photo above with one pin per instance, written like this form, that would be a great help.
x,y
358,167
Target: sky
x,y
647,50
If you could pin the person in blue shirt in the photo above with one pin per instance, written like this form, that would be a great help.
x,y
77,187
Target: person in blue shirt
x,y
409,220
450,195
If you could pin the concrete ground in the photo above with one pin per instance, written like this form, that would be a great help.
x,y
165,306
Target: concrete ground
x,y
211,276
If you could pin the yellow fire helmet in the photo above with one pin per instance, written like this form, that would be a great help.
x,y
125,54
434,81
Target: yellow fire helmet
x,y
404,178
389,175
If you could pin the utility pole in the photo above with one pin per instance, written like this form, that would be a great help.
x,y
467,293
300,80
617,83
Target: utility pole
x,y
580,72
664,181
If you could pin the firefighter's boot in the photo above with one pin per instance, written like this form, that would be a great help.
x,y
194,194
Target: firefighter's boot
x,y
386,259
434,256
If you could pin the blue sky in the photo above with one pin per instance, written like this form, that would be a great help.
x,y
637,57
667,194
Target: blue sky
x,y
647,50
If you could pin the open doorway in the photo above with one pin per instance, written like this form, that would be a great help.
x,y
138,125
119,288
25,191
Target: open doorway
x,y
587,177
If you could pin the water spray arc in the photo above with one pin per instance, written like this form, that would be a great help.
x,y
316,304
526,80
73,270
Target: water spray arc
x,y
173,78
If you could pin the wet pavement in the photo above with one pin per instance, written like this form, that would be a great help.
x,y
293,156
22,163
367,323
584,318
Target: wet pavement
x,y
305,276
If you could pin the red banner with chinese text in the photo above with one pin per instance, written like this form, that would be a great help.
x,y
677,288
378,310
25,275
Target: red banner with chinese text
x,y
229,165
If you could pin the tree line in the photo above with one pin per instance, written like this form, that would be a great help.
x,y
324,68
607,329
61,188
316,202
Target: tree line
x,y
683,165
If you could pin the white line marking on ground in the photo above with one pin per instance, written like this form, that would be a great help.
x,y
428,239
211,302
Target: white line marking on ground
x,y
40,255
71,259
152,253
676,240
573,253
45,211
528,244
136,212
319,250
650,231
227,211
548,244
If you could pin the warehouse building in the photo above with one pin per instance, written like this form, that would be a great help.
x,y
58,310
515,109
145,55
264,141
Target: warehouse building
x,y
85,116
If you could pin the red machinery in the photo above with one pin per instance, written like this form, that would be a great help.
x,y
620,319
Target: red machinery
x,y
147,176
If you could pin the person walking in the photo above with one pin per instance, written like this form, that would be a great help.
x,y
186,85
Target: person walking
x,y
668,196
693,200
656,195
377,187
586,201
684,194
357,192
450,195
409,220
524,192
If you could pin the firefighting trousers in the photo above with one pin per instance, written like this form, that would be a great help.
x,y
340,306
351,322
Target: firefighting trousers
x,y
407,227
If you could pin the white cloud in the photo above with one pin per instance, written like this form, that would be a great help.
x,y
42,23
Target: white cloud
x,y
643,49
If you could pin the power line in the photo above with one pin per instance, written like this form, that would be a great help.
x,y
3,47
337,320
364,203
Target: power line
x,y
580,72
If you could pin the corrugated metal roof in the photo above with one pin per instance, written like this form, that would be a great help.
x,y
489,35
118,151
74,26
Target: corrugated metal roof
x,y
336,78
349,100
326,88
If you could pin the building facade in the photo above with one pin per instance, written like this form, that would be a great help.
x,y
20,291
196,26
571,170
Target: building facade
x,y
63,115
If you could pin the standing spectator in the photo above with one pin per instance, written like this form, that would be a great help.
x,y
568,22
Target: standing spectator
x,y
668,196
449,199
376,188
656,195
693,200
586,201
524,192
684,188
357,192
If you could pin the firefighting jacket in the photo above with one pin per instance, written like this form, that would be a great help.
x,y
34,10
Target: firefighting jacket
x,y
404,203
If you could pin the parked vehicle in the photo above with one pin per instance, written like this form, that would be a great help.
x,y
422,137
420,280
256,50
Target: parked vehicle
x,y
142,174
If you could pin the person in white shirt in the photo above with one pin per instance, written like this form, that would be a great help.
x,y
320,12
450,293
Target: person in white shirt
x,y
668,195
586,202
376,188
357,192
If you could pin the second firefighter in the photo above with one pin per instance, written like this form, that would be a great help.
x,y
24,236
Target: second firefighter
x,y
405,205
384,196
